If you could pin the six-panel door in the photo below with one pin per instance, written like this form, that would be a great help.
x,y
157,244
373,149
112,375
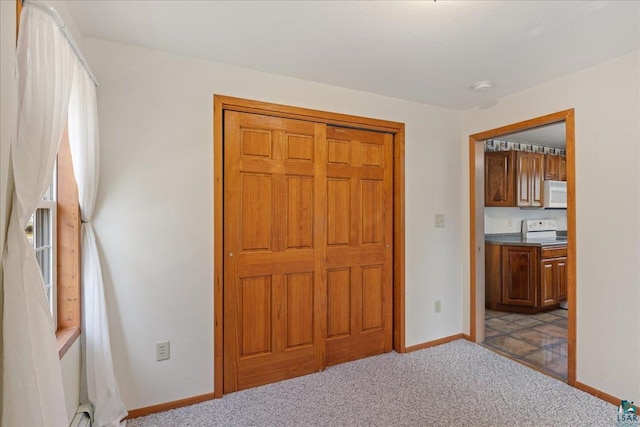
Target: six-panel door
x,y
308,247
359,244
272,219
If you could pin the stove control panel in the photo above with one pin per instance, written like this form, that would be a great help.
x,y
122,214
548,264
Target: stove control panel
x,y
529,225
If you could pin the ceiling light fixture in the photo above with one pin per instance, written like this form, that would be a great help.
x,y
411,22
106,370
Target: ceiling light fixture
x,y
482,86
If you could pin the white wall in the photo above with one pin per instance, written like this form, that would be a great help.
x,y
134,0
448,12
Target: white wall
x,y
154,211
606,99
509,220
70,365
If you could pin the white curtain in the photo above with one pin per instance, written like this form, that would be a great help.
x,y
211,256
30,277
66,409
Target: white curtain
x,y
99,385
33,393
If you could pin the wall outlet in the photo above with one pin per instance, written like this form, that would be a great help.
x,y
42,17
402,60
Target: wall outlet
x,y
162,350
439,220
438,306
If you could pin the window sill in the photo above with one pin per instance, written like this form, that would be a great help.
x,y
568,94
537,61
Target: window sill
x,y
65,338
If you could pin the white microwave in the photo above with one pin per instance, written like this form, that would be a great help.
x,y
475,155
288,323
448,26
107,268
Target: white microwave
x,y
555,194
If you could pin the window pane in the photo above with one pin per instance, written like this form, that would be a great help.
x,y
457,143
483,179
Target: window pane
x,y
40,232
50,194
49,289
44,259
43,227
29,230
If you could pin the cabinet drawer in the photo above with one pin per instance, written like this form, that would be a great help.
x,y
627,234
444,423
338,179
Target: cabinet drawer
x,y
553,251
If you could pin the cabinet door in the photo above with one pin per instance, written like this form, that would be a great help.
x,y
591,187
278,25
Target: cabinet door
x,y
563,169
519,275
551,167
537,178
523,179
561,273
548,282
492,275
529,179
499,179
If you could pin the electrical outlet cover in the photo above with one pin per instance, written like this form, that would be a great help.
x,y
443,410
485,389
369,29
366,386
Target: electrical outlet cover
x,y
162,350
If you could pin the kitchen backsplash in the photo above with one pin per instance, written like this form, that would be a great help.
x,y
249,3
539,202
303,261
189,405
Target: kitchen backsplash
x,y
497,145
509,220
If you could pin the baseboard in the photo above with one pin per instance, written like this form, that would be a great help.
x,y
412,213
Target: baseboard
x,y
141,412
434,343
601,394
467,337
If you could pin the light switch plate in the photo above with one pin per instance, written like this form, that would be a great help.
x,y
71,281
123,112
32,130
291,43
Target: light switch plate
x,y
438,306
439,220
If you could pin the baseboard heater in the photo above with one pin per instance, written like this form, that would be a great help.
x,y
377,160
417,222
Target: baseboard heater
x,y
83,416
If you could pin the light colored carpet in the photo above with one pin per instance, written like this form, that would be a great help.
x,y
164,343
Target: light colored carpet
x,y
455,384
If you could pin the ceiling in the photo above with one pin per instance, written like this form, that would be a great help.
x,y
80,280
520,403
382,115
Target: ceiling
x,y
423,51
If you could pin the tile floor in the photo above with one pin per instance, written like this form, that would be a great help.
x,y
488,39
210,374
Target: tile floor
x,y
536,340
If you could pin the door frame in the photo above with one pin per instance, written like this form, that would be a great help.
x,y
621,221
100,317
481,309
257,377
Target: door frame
x,y
222,103
476,208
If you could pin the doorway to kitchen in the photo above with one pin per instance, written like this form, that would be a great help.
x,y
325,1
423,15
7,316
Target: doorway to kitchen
x,y
527,319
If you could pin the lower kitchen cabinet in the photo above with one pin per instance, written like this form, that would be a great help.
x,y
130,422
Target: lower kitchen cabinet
x,y
519,275
525,278
553,281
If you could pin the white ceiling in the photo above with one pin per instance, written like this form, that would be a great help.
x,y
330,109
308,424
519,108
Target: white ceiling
x,y
424,51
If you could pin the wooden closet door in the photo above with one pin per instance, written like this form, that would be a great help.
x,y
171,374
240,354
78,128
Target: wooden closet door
x,y
274,249
359,250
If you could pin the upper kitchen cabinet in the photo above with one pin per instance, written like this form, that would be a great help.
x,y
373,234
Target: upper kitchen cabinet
x,y
499,178
552,167
513,178
555,167
529,179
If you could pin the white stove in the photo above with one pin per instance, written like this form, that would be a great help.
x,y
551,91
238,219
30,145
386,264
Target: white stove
x,y
533,229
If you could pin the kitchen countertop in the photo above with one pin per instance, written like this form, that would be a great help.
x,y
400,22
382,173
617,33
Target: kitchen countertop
x,y
518,239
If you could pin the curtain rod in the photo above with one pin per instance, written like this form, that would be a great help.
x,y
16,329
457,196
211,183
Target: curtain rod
x,y
56,17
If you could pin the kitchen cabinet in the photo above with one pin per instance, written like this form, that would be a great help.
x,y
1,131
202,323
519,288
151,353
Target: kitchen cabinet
x,y
553,275
513,179
525,278
519,275
552,167
555,167
529,179
499,178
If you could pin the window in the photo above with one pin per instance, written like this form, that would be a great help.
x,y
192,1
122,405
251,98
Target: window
x,y
54,232
42,232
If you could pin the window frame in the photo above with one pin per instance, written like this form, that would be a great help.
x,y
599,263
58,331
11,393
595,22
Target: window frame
x,y
68,243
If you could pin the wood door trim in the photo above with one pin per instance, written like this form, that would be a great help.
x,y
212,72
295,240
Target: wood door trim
x,y
289,112
222,103
568,117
